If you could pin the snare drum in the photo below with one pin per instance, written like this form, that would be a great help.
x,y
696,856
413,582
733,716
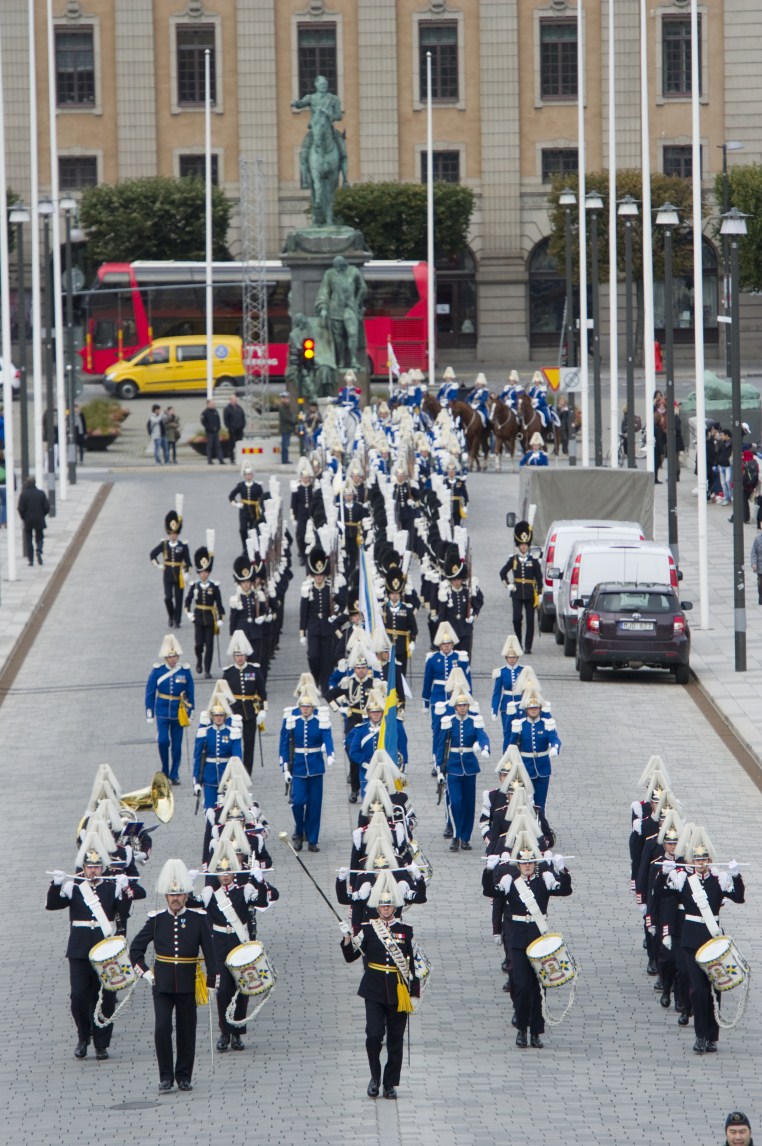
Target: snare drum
x,y
111,963
553,963
722,963
423,863
251,969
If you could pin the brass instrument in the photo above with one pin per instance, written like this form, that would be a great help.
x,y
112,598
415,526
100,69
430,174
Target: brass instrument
x,y
158,796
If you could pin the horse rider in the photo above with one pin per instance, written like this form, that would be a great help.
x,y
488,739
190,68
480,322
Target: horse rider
x,y
324,102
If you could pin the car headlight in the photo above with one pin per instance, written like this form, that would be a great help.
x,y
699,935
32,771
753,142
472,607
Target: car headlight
x,y
108,377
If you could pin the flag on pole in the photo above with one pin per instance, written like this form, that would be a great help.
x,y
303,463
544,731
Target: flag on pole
x,y
391,358
387,737
371,614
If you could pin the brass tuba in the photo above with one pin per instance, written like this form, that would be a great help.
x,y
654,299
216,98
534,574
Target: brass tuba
x,y
158,795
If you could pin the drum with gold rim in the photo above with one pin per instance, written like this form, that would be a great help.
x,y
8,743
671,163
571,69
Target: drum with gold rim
x,y
251,969
722,963
551,960
111,962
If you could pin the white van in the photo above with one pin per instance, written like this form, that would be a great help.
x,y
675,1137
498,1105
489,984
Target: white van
x,y
590,562
559,540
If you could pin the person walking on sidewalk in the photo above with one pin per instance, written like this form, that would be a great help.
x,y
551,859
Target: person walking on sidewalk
x,y
171,434
756,564
33,509
210,421
286,425
234,417
155,428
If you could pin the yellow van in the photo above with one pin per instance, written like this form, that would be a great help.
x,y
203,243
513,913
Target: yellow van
x,y
175,364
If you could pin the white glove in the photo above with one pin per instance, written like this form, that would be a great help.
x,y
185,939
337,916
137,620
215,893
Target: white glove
x,y
286,774
511,589
424,707
67,888
642,909
141,857
485,752
559,863
497,940
553,751
302,640
733,868
549,880
440,776
414,870
193,874
651,930
191,616
412,647
149,719
121,883
668,866
667,942
343,873
364,891
329,761
505,884
256,874
492,862
494,716
58,877
726,881
259,620
345,928
196,789
676,880
470,620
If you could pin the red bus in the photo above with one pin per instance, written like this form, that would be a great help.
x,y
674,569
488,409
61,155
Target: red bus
x,y
130,304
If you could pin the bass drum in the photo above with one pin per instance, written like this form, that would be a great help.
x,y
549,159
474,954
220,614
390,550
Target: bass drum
x,y
253,973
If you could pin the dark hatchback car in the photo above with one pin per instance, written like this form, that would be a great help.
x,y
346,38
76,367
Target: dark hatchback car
x,y
634,626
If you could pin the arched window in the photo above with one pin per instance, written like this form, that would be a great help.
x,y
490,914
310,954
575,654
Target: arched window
x,y
547,298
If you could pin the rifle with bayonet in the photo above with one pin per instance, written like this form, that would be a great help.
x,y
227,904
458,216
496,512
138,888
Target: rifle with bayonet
x,y
443,768
291,754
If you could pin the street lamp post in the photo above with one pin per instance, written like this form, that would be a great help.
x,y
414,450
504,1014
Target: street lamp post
x,y
628,210
733,226
45,211
668,218
69,208
594,204
729,145
567,199
17,217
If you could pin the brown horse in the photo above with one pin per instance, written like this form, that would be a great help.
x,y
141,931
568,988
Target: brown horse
x,y
431,407
473,428
505,426
531,423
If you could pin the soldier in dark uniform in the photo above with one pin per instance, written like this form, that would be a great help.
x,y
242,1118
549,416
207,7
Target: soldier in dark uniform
x,y
247,497
404,501
663,918
93,904
458,493
399,619
302,496
319,611
354,517
175,562
204,607
386,948
523,576
180,936
350,696
460,601
250,607
247,685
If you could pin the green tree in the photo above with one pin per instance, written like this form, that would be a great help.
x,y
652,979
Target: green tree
x,y
153,218
745,186
664,189
392,217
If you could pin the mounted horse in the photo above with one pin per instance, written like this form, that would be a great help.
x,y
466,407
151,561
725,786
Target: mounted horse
x,y
532,423
324,163
477,434
505,426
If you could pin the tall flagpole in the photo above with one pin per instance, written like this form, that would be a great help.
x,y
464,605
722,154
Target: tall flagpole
x,y
584,370
613,316
57,308
648,265
39,470
208,188
430,217
5,333
698,323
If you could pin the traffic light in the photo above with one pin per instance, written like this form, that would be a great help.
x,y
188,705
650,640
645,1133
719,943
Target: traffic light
x,y
308,351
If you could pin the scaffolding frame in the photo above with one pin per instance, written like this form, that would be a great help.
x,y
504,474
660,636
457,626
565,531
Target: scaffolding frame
x,y
253,211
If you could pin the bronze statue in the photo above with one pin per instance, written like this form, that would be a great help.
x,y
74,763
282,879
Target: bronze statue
x,y
339,305
323,155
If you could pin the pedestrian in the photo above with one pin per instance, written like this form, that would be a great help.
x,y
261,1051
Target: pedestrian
x,y
180,936
386,947
33,508
738,1130
563,417
724,462
171,433
234,417
306,746
286,425
3,491
522,574
210,421
80,432
749,480
169,700
155,428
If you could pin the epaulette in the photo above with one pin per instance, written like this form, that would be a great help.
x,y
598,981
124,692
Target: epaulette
x,y
294,485
440,707
324,717
446,722
550,724
516,724
153,914
306,587
478,721
496,673
158,665
290,721
186,666
462,655
428,655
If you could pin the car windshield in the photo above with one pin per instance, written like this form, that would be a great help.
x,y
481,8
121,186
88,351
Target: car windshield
x,y
633,601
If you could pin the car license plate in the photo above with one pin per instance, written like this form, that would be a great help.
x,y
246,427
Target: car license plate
x,y
637,626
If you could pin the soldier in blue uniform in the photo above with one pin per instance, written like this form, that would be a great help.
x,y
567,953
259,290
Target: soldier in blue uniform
x,y
535,455
215,743
439,665
180,937
175,563
306,746
247,685
461,739
538,742
204,608
349,696
506,693
319,611
448,391
169,700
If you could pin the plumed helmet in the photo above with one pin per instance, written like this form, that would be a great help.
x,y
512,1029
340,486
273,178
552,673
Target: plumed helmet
x,y
522,533
317,560
203,559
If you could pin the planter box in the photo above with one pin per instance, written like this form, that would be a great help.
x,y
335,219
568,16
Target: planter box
x,y
199,445
99,442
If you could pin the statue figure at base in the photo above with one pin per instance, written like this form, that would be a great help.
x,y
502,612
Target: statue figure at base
x,y
339,305
323,155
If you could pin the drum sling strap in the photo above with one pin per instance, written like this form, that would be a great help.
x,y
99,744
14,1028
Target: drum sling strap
x,y
401,963
526,895
702,903
232,916
91,899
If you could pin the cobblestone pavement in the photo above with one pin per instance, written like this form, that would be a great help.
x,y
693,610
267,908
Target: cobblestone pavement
x,y
618,1069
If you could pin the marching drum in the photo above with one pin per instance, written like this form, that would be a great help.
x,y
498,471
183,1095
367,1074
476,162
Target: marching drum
x,y
423,863
722,963
422,968
251,969
111,963
551,960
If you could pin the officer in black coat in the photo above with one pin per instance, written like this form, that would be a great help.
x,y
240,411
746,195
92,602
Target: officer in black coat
x,y
203,605
246,681
180,937
319,612
33,509
522,574
251,610
175,563
302,496
386,948
460,600
399,618
247,497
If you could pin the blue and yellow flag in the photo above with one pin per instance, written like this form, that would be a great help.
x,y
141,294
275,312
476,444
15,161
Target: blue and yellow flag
x,y
387,739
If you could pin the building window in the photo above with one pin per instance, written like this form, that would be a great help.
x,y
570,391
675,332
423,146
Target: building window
x,y
558,59
559,161
442,41
446,166
317,56
77,171
75,67
679,161
676,55
194,167
192,43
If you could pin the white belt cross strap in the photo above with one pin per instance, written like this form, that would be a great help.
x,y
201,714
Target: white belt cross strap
x,y
232,916
96,907
400,960
702,903
526,895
